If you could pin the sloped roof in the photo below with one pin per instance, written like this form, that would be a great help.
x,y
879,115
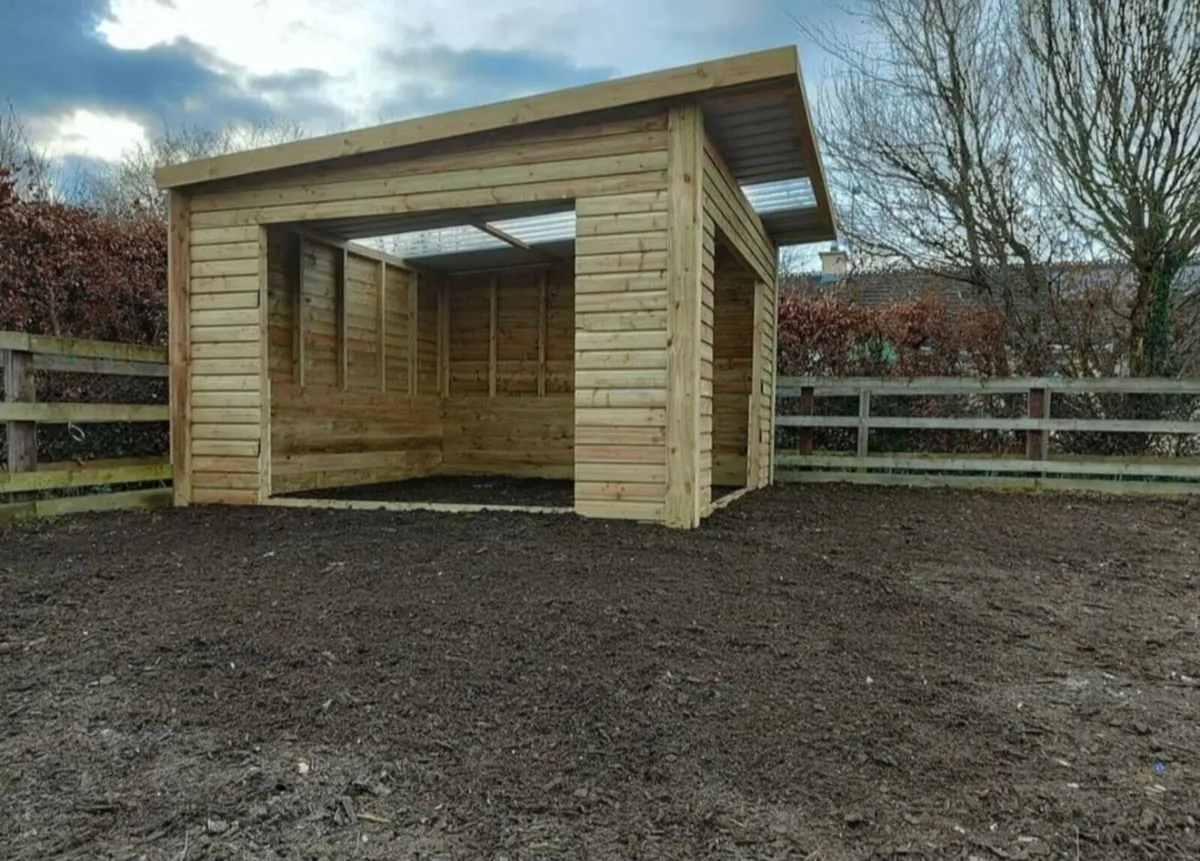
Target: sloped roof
x,y
754,105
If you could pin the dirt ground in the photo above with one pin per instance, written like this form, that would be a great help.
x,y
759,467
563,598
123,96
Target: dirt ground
x,y
823,673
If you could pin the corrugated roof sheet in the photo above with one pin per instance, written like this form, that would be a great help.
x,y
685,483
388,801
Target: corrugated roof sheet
x,y
766,198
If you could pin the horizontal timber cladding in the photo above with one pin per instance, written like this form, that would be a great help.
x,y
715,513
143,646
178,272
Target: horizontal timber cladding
x,y
733,352
522,166
227,364
736,218
620,320
518,435
326,437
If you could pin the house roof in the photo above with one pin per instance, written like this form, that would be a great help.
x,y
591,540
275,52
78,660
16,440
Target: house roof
x,y
754,105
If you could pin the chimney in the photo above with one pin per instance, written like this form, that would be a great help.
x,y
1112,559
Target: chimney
x,y
834,263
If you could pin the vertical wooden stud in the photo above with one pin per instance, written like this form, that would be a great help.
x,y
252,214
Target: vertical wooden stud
x,y
19,388
864,415
414,331
807,405
754,454
264,345
299,372
685,241
541,336
772,360
343,332
493,302
381,324
444,338
178,318
1037,442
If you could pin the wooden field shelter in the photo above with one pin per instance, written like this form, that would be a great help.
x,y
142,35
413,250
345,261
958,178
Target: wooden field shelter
x,y
635,356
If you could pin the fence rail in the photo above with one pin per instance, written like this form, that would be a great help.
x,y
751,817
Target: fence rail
x,y
25,484
1034,469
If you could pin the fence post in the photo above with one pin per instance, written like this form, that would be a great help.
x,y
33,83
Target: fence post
x,y
806,409
864,414
19,386
1037,442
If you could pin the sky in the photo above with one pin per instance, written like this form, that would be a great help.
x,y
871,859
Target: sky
x,y
90,78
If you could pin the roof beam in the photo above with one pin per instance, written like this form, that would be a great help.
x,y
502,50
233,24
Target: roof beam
x,y
504,236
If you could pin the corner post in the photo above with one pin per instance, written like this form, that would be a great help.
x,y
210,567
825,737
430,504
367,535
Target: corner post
x,y
179,335
685,176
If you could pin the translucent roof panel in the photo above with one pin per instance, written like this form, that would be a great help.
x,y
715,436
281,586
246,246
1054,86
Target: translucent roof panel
x,y
766,198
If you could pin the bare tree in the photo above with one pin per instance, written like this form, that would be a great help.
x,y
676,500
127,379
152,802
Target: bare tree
x,y
127,188
919,123
1112,90
32,173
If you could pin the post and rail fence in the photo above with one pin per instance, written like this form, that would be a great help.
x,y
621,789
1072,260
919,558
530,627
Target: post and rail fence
x,y
31,489
1026,463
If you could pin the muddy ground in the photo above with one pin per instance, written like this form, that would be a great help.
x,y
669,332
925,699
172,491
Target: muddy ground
x,y
823,673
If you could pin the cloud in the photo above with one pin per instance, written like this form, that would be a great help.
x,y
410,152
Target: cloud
x,y
59,65
431,78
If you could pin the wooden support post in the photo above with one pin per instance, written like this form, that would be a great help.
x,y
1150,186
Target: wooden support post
x,y
264,374
444,338
381,324
1037,442
542,311
685,255
298,346
864,415
414,330
19,388
773,384
493,302
343,331
179,349
754,452
806,409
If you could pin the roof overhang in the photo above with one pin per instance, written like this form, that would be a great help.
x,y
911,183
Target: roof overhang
x,y
755,112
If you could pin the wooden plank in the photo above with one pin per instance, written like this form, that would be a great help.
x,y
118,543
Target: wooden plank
x,y
264,411
493,298
543,283
442,507
223,301
131,499
343,338
648,512
414,332
863,434
223,235
980,482
223,334
381,328
223,268
444,338
113,367
248,449
1111,466
300,334
754,446
83,413
232,284
82,348
682,500
849,386
73,474
226,399
667,84
226,251
999,424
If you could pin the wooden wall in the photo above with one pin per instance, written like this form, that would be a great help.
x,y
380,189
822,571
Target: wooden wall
x,y
509,409
733,351
621,355
742,230
226,355
343,408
